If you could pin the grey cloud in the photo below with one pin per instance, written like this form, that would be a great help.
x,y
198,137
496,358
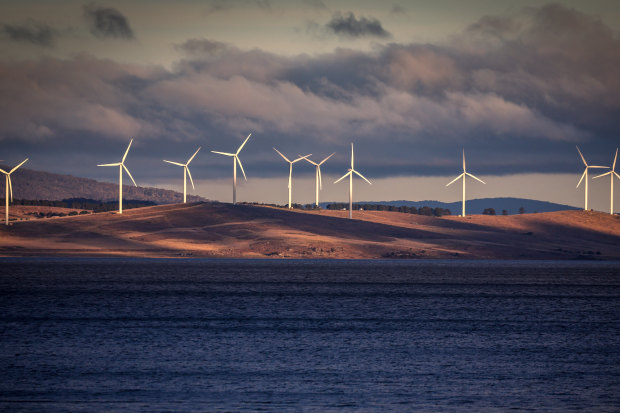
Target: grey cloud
x,y
347,25
314,4
107,22
217,6
202,47
524,93
35,33
398,9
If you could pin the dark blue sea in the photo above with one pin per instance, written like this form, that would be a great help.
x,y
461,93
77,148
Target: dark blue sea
x,y
99,335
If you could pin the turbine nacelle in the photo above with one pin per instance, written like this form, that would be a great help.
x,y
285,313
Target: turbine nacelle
x,y
9,185
290,171
612,172
319,183
464,175
122,167
236,161
350,173
186,170
585,175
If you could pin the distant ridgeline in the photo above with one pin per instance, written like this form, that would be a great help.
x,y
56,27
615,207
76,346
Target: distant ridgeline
x,y
30,184
425,210
488,206
84,203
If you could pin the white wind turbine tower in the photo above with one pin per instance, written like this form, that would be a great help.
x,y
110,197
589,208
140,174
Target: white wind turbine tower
x,y
464,175
350,175
611,176
290,173
9,188
585,174
186,172
236,159
121,166
319,180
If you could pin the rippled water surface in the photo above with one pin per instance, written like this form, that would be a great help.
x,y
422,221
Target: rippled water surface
x,y
164,335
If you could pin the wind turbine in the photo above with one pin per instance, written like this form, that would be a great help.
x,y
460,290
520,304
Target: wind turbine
x,y
186,172
350,175
235,160
611,176
319,180
121,166
464,175
585,174
290,173
9,188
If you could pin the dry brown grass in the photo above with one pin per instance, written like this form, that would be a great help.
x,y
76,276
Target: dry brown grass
x,y
244,231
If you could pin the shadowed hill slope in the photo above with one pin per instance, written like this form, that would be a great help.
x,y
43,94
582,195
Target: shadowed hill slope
x,y
31,184
223,230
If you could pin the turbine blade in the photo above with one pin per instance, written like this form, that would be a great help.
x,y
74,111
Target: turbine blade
x,y
320,178
320,163
224,153
456,179
597,166
190,177
343,176
174,163
127,151
3,171
129,173
464,160
241,166
309,160
605,174
23,162
580,154
285,158
616,173
352,156
477,179
243,144
301,158
190,159
110,164
10,188
613,168
582,175
362,176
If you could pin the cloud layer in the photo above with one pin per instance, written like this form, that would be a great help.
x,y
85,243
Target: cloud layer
x,y
35,33
347,25
107,22
517,91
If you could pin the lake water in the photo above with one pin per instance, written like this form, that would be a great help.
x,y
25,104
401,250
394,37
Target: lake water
x,y
92,335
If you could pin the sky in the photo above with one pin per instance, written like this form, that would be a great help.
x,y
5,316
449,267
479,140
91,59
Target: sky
x,y
516,84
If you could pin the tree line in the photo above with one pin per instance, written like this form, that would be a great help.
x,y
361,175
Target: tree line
x,y
83,203
425,210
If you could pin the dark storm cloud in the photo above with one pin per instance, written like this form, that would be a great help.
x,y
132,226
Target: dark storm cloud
x,y
314,4
202,47
398,9
107,22
526,87
216,6
35,33
347,25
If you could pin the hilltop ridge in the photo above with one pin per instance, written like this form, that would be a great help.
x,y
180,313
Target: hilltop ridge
x,y
219,230
32,184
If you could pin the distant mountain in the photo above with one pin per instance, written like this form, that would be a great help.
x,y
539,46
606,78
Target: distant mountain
x,y
476,206
30,184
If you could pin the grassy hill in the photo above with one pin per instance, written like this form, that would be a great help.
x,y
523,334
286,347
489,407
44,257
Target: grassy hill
x,y
31,184
246,231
